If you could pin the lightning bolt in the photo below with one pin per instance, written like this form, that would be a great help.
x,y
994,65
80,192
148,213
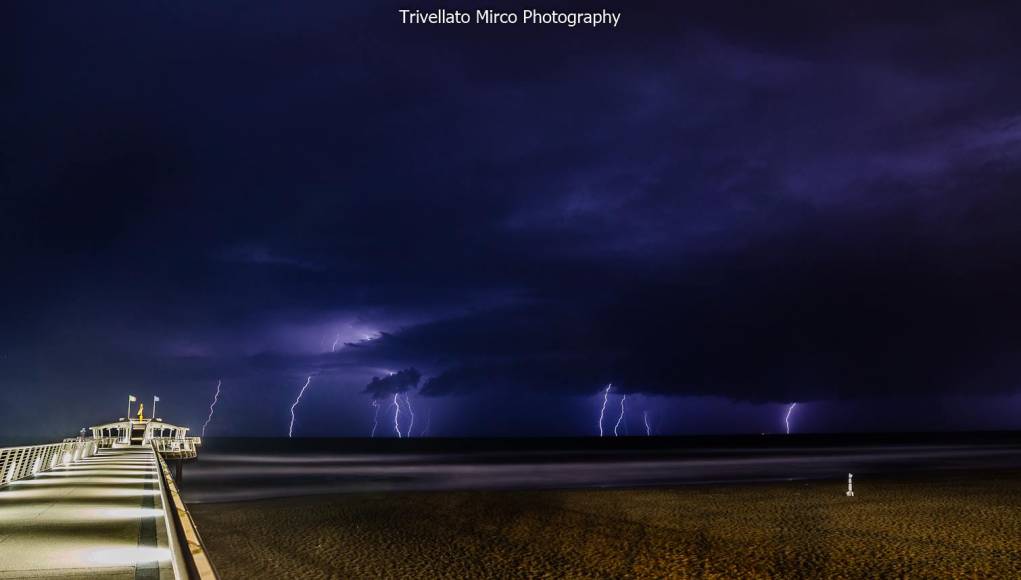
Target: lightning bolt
x,y
410,410
290,430
397,413
621,417
648,430
335,341
216,398
787,419
606,396
375,418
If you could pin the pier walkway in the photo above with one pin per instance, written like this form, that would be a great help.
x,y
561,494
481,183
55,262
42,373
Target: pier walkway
x,y
100,516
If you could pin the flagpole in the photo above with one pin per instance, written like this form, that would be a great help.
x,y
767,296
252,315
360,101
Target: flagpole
x,y
154,399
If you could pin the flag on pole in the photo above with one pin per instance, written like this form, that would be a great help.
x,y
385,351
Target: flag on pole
x,y
131,399
155,399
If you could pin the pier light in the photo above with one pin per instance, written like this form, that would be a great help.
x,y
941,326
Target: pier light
x,y
123,513
96,472
112,555
90,479
22,490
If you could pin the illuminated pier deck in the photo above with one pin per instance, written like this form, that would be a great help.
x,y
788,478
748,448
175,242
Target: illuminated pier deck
x,y
104,506
101,516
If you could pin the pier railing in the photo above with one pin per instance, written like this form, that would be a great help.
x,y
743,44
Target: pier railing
x,y
190,557
101,442
21,462
176,447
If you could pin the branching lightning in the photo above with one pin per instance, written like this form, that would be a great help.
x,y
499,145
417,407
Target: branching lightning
x,y
787,419
606,396
397,413
645,417
621,417
290,430
216,398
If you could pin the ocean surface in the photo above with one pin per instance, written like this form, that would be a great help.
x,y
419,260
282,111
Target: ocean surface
x,y
249,469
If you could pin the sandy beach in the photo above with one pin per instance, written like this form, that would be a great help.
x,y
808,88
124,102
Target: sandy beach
x,y
948,525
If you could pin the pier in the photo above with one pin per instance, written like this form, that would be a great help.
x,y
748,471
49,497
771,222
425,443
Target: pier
x,y
105,506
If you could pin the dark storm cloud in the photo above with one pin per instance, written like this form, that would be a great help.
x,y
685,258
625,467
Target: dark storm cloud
x,y
751,201
846,307
400,382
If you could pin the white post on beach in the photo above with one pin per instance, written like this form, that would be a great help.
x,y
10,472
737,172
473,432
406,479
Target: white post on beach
x,y
850,490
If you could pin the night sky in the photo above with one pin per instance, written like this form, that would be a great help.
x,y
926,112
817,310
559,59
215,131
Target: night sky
x,y
720,208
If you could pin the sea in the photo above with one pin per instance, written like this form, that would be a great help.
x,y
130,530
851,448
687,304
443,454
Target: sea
x,y
242,469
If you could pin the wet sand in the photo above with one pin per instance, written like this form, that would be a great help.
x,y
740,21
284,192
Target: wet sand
x,y
954,524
